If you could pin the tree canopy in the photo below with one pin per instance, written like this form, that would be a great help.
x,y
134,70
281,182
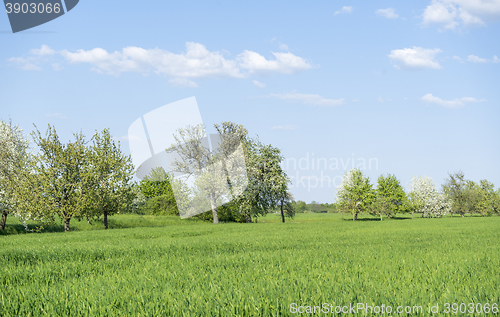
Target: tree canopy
x,y
355,194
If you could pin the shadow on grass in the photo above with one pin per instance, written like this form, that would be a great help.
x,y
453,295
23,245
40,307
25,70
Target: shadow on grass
x,y
75,225
376,219
11,229
114,222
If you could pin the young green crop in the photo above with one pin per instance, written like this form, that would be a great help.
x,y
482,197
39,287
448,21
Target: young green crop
x,y
198,269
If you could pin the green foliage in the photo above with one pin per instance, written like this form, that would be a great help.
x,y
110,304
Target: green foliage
x,y
139,200
74,180
287,208
159,198
111,173
162,205
355,194
481,197
217,174
267,181
227,213
412,203
156,183
197,269
59,180
470,197
155,188
455,190
382,205
393,193
301,206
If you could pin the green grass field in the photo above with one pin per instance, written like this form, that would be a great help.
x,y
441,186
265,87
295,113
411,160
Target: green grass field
x,y
168,267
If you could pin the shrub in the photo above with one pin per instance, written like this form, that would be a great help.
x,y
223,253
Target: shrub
x,y
160,206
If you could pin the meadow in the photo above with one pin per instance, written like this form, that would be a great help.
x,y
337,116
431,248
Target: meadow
x,y
164,266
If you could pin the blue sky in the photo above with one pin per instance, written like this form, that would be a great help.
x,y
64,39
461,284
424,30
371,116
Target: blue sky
x,y
411,87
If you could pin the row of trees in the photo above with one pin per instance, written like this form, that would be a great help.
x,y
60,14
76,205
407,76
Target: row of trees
x,y
91,179
80,179
316,207
357,195
258,185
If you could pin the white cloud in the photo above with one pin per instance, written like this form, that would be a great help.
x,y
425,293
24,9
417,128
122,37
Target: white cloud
x,y
195,62
344,9
56,115
450,14
284,127
44,50
24,63
283,47
455,103
415,58
308,99
182,83
285,63
476,59
388,13
259,84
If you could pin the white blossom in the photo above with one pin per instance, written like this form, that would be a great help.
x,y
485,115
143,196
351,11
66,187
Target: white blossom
x,y
433,204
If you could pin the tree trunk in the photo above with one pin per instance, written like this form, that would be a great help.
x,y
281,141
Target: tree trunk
x,y
381,218
105,219
412,215
214,210
248,218
282,215
66,224
4,219
354,217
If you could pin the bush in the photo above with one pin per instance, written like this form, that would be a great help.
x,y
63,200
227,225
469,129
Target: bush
x,y
160,206
226,213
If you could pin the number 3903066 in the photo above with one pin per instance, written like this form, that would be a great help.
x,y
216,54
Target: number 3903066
x,y
33,8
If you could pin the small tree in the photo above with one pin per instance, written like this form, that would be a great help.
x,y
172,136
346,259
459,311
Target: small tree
x,y
57,182
218,174
196,159
157,189
413,203
112,173
13,158
473,196
355,194
267,181
496,202
486,198
286,206
431,203
381,206
454,189
390,188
